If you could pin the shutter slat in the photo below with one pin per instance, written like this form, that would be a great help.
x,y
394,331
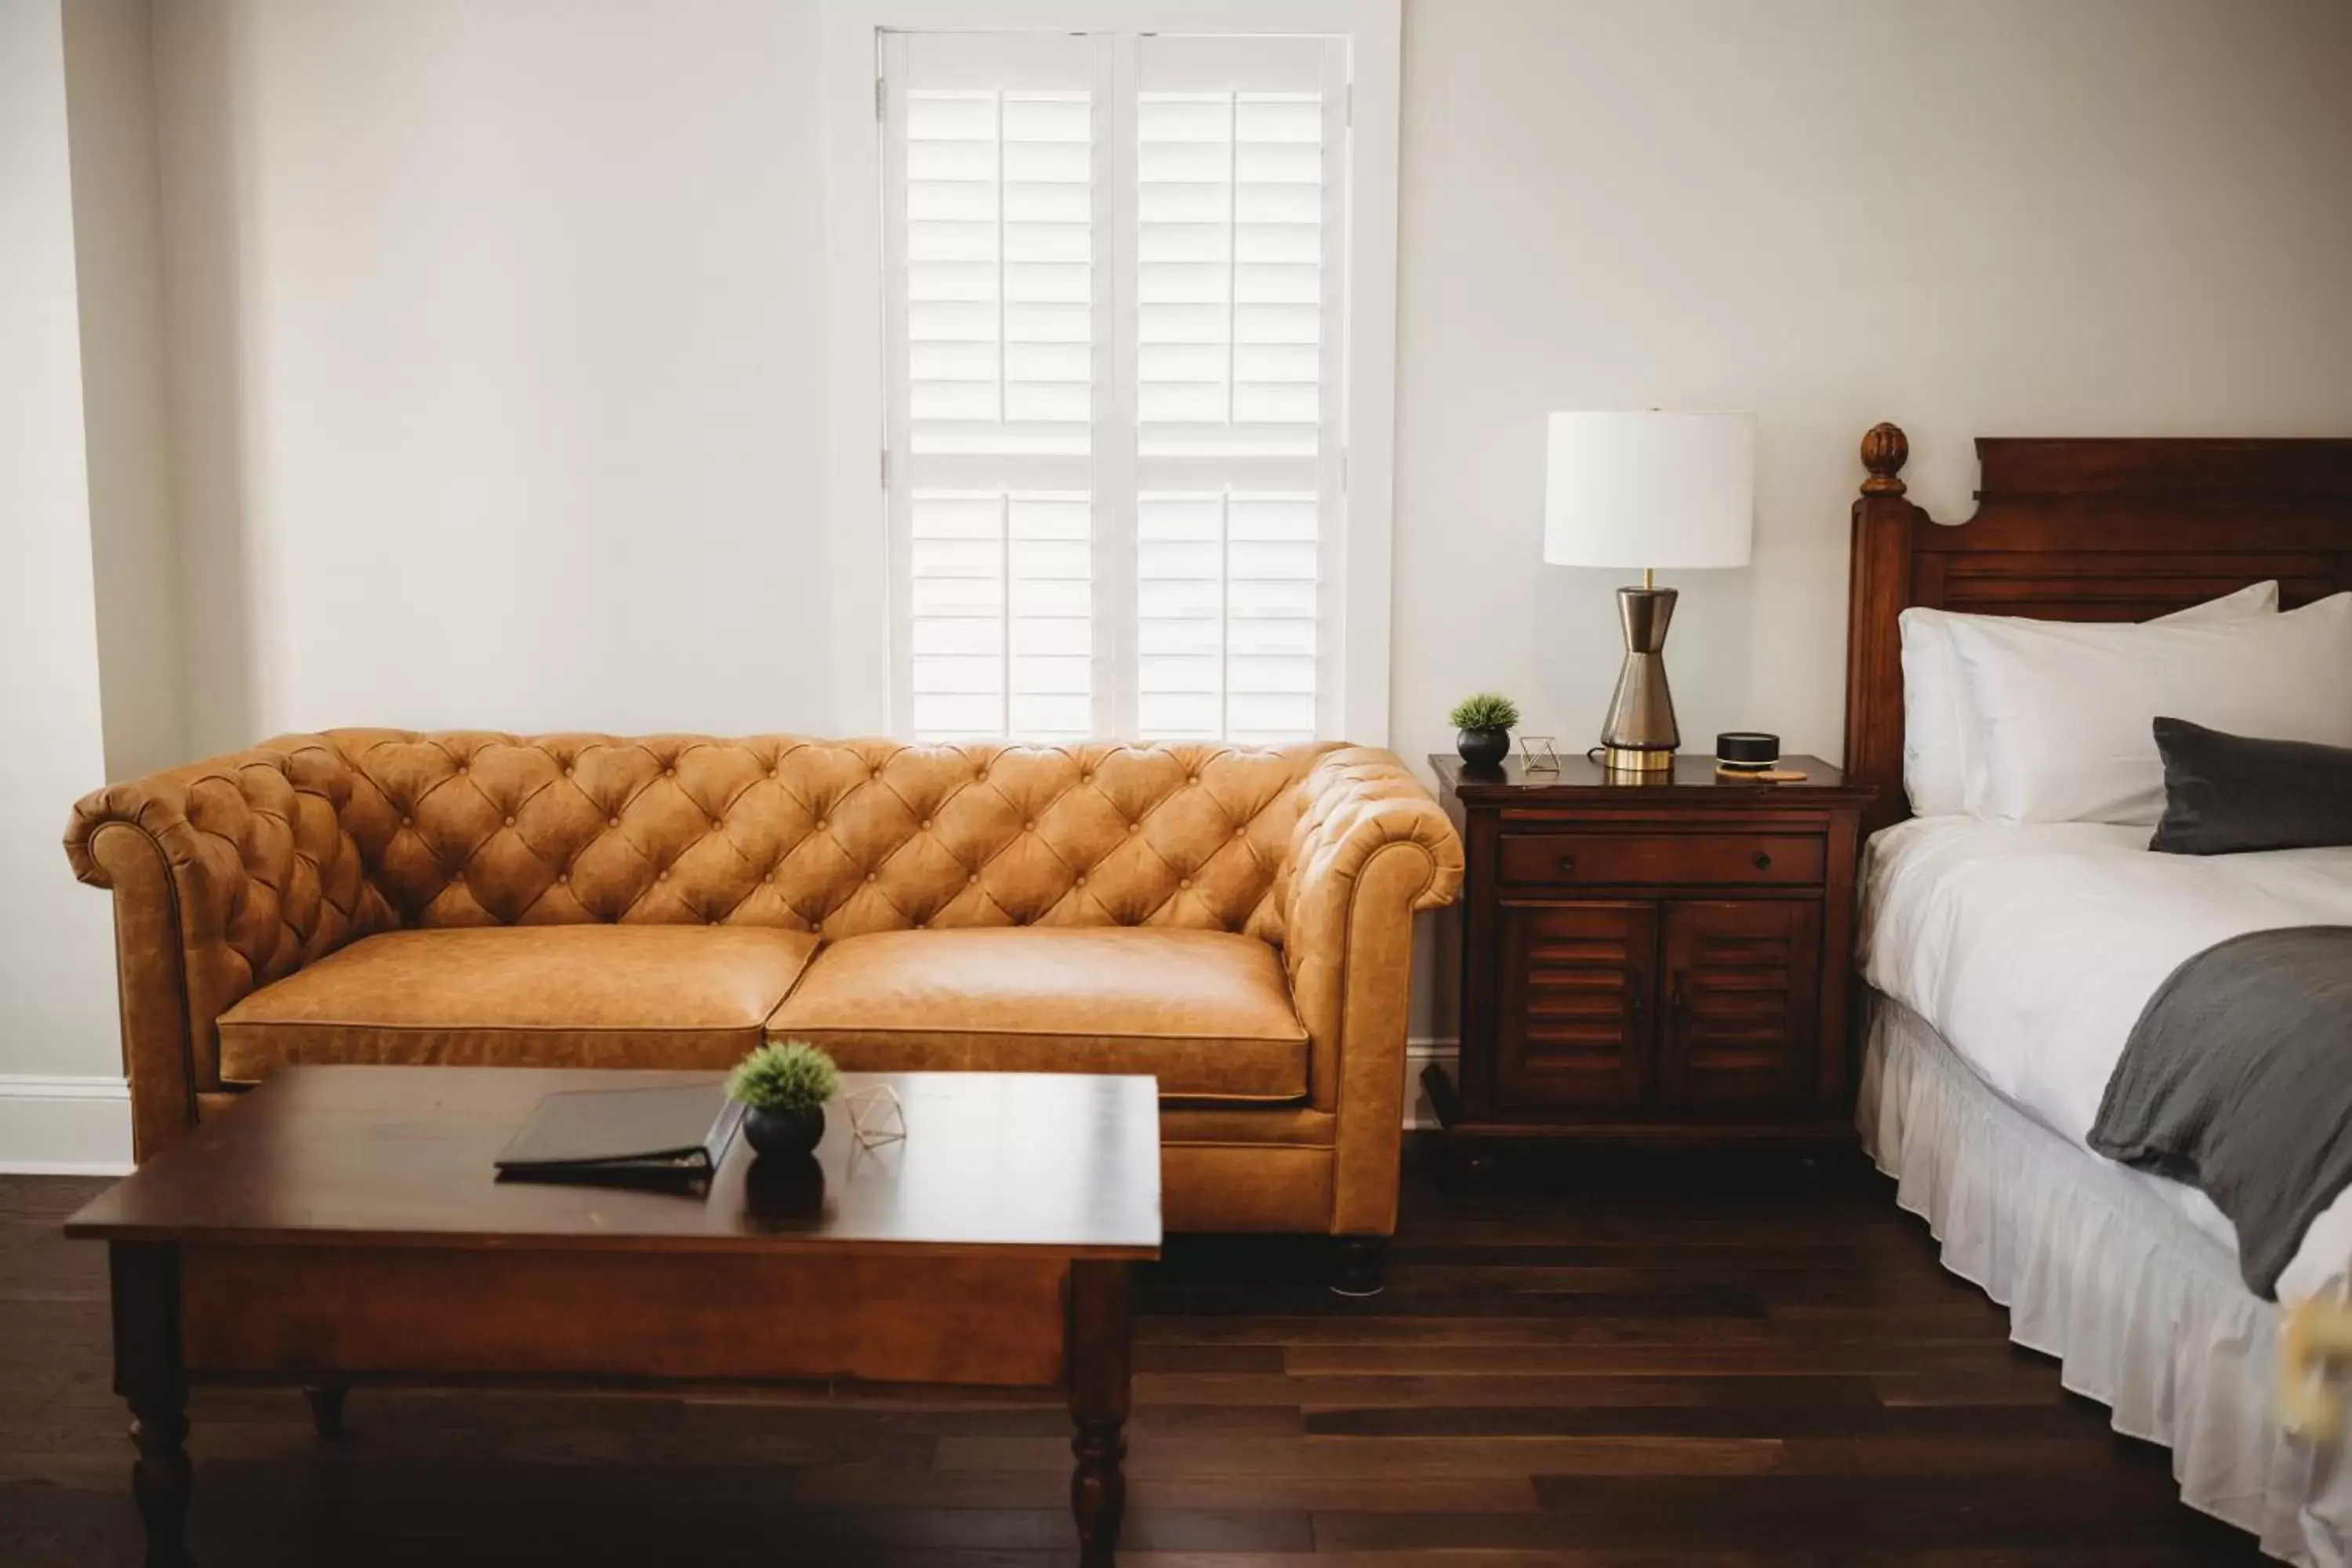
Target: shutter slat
x,y
1001,613
1229,285
1227,585
999,261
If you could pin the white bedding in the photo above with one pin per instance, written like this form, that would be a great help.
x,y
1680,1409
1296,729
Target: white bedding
x,y
2033,948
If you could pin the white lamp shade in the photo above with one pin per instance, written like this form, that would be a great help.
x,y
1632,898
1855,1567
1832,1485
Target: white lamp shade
x,y
1671,490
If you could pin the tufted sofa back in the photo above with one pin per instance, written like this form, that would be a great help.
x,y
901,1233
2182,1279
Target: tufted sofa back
x,y
459,829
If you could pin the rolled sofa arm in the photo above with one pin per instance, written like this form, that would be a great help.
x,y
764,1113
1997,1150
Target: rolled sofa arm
x,y
1371,848
226,874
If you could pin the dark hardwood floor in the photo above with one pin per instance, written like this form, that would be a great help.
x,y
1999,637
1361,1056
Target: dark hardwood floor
x,y
1593,1362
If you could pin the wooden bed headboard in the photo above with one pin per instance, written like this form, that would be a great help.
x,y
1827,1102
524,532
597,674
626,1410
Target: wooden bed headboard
x,y
2099,529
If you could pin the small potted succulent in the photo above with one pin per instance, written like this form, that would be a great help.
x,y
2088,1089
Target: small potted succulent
x,y
1484,723
784,1085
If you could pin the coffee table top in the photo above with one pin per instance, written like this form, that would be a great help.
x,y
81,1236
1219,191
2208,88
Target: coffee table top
x,y
401,1156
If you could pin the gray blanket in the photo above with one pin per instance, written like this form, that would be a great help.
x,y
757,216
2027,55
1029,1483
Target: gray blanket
x,y
2237,1080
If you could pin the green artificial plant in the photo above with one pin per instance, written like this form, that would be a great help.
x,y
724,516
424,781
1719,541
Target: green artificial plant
x,y
1485,711
785,1076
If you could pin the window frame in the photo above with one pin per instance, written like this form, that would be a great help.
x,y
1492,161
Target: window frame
x,y
860,532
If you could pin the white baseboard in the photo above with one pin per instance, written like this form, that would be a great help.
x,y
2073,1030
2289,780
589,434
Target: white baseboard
x,y
52,1125
1418,1054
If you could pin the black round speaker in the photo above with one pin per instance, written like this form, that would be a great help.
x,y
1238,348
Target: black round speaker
x,y
1737,749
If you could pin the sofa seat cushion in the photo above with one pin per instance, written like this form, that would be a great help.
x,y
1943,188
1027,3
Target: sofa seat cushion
x,y
571,995
1207,1013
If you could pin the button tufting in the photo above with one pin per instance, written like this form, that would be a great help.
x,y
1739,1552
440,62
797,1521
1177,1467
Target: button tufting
x,y
820,824
567,772
1183,881
509,822
664,876
564,877
973,879
769,877
611,822
926,825
1029,827
869,875
669,773
1241,833
1192,778
408,821
1081,880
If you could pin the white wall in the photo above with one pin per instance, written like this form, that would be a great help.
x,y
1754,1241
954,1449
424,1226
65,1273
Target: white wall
x,y
57,968
110,121
1974,217
497,351
497,359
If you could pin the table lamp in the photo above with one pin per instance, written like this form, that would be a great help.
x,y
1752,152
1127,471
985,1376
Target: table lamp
x,y
1653,491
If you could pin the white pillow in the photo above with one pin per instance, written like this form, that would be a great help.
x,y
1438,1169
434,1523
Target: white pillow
x,y
2065,710
1938,730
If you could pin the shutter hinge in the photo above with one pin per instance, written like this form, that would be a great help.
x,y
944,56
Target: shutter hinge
x,y
885,467
1343,470
1348,105
881,98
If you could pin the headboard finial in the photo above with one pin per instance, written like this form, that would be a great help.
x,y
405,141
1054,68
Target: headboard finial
x,y
1884,449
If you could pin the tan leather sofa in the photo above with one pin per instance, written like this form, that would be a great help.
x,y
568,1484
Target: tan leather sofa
x,y
1237,923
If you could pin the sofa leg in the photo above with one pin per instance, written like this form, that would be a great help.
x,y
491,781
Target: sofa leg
x,y
327,1408
1359,1265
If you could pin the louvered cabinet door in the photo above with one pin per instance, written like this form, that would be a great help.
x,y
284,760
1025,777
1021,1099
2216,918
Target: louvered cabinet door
x,y
1742,984
1578,1012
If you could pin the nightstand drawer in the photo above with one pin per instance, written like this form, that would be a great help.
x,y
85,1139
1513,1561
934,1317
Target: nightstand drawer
x,y
1694,859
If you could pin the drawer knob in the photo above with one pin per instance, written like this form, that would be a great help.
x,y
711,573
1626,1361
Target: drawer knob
x,y
1763,861
1567,863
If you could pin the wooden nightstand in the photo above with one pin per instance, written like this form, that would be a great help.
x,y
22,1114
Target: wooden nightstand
x,y
1655,963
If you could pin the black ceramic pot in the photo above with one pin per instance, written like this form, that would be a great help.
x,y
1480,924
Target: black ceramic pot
x,y
1482,748
784,1132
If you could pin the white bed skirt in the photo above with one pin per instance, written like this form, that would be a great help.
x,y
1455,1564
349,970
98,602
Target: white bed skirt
x,y
2146,1314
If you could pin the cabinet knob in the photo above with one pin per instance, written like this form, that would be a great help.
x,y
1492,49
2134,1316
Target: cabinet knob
x,y
1763,861
1567,863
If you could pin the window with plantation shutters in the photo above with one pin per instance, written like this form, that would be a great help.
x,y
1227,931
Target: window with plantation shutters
x,y
1114,310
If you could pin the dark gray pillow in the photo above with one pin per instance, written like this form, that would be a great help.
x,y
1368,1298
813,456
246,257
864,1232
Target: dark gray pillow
x,y
2223,792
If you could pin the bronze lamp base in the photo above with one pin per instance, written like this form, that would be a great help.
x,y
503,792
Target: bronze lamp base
x,y
1639,737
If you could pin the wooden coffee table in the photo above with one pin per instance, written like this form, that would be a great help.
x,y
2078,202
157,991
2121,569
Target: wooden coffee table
x,y
343,1227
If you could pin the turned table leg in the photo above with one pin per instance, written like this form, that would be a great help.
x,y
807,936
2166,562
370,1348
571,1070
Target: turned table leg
x,y
150,1376
1098,1368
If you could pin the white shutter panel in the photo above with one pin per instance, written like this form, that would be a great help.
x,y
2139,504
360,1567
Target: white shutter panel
x,y
990,241
1240,181
1116,311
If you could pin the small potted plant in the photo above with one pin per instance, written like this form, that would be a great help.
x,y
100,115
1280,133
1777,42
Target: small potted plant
x,y
784,1085
1483,725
